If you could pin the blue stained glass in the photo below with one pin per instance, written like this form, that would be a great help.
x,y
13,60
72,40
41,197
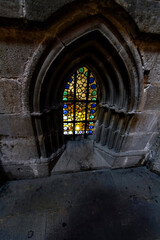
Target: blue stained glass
x,y
90,127
92,111
93,105
70,80
93,86
67,86
90,131
91,80
65,106
65,112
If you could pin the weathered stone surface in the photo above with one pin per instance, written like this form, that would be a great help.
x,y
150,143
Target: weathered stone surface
x,y
152,98
14,55
136,142
128,161
80,155
23,227
18,149
10,96
10,9
17,171
23,170
146,13
16,125
119,204
150,54
145,122
41,10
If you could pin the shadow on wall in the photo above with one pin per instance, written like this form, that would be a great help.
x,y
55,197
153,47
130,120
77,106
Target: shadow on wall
x,y
105,215
3,176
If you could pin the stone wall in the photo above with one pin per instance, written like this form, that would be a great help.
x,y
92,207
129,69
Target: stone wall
x,y
26,29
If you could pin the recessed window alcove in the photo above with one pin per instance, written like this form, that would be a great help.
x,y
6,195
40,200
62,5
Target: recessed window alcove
x,y
106,58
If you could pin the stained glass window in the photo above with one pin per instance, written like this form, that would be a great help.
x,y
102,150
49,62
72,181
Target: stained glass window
x,y
80,103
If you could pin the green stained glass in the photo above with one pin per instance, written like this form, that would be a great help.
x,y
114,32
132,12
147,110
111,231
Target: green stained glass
x,y
91,117
94,93
80,97
86,73
81,70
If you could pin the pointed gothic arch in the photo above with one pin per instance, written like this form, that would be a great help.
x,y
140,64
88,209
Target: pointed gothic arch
x,y
115,62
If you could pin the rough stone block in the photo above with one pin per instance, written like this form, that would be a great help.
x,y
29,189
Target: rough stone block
x,y
40,170
14,54
145,13
136,142
18,149
40,10
128,161
10,96
18,171
152,98
15,125
10,9
151,59
145,122
156,166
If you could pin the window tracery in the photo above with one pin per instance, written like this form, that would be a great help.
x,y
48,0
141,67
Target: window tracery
x,y
80,99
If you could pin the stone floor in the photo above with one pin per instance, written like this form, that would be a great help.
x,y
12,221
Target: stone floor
x,y
96,205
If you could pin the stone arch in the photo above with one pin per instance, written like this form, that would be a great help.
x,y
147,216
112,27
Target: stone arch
x,y
114,60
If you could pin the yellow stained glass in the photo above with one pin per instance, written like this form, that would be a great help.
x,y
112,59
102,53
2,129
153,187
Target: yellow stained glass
x,y
80,112
79,128
81,84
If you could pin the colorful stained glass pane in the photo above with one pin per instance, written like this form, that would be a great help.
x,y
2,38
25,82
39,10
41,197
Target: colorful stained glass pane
x,y
92,88
81,84
68,93
81,70
79,128
65,99
91,113
68,128
90,127
80,111
80,97
68,115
